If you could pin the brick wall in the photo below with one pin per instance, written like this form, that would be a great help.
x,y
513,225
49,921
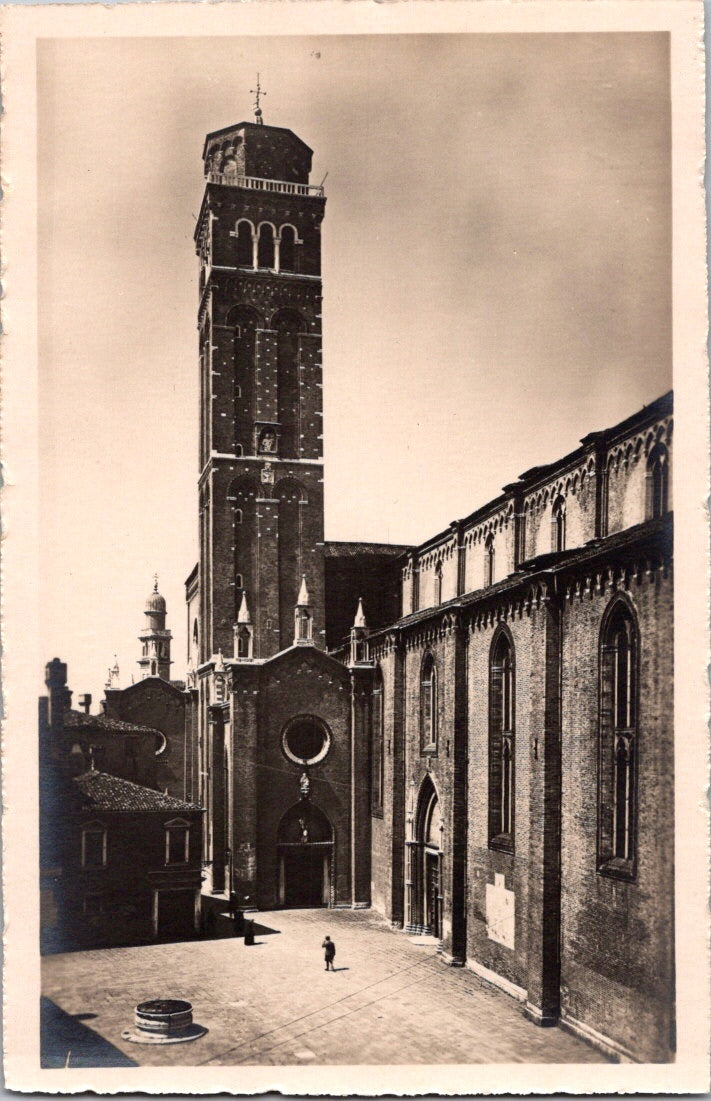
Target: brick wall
x,y
303,681
617,936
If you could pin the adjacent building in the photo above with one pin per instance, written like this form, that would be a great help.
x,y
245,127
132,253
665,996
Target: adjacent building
x,y
120,862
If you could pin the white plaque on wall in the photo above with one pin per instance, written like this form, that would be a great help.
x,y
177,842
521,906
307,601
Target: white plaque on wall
x,y
500,912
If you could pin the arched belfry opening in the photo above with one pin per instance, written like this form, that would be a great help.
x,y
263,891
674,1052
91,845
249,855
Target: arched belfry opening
x,y
305,856
425,850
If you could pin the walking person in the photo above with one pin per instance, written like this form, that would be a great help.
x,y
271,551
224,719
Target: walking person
x,y
329,951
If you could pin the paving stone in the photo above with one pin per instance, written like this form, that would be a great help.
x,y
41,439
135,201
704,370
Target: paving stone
x,y
389,1001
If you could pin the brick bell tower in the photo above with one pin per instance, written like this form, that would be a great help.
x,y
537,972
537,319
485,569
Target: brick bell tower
x,y
258,238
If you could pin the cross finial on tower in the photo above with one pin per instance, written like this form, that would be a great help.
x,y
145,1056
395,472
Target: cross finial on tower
x,y
258,93
155,582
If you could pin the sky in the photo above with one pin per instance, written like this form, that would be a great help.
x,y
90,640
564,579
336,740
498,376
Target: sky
x,y
496,270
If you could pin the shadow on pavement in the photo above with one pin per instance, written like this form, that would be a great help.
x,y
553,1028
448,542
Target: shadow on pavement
x,y
265,931
217,924
63,1037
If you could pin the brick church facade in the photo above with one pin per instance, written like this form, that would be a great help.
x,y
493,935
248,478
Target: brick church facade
x,y
473,736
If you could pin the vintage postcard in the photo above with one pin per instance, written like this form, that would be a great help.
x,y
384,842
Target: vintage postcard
x,y
355,578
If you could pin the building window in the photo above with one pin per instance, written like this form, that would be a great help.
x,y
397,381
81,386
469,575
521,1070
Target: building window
x,y
657,482
428,705
287,249
619,652
97,755
558,526
489,561
93,845
177,842
243,641
238,580
377,758
438,584
502,769
265,246
245,254
306,740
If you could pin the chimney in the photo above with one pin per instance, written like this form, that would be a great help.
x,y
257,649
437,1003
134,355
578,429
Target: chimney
x,y
85,702
60,698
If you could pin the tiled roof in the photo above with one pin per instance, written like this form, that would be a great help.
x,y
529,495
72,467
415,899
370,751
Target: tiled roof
x,y
99,791
79,720
354,550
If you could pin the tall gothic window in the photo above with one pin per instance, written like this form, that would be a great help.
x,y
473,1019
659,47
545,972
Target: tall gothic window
x,y
377,757
619,651
502,785
558,525
489,561
428,705
657,482
438,583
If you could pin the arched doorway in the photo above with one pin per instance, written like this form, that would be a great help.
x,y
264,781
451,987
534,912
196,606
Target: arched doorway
x,y
305,854
426,864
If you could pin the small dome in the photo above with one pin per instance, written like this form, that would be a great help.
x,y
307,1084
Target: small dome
x,y
155,602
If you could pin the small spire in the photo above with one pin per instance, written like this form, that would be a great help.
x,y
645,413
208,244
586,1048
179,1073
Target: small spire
x,y
243,615
359,620
220,663
303,600
258,93
155,582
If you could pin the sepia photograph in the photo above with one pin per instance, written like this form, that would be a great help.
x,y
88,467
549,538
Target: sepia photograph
x,y
353,560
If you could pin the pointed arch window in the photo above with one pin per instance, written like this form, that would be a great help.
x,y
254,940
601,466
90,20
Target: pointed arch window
x,y
619,655
558,526
502,761
377,757
428,705
438,583
657,482
489,560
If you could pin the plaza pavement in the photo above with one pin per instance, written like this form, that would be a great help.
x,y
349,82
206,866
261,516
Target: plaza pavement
x,y
390,1001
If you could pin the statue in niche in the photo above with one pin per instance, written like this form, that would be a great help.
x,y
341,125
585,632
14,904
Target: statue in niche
x,y
304,831
267,441
304,785
267,474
